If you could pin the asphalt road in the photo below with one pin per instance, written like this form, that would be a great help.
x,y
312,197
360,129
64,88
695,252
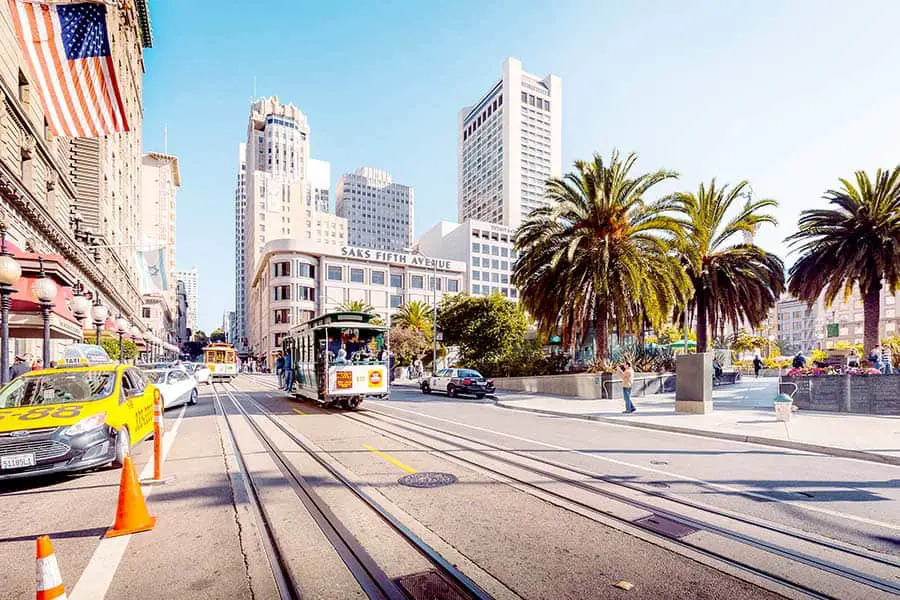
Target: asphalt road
x,y
516,533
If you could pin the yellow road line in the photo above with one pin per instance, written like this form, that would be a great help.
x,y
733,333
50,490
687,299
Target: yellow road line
x,y
300,412
390,459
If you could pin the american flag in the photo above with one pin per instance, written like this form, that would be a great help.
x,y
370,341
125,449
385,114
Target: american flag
x,y
67,50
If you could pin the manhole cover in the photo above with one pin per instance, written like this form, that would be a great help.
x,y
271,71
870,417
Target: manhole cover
x,y
429,585
427,480
664,526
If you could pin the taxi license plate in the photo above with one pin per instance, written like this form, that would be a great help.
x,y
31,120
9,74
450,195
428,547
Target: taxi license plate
x,y
16,461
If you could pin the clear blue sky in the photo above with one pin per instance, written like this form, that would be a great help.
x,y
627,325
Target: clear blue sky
x,y
790,95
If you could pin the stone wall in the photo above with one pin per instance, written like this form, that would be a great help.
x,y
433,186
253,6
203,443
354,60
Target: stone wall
x,y
860,394
589,385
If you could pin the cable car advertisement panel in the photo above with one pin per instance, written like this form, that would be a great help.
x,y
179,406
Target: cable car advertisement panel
x,y
357,379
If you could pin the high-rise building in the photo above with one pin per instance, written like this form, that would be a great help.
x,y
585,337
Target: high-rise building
x,y
240,267
318,187
379,212
190,279
228,326
508,144
485,248
277,198
75,201
181,312
160,181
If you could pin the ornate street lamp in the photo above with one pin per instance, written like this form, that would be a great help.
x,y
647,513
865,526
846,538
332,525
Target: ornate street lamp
x,y
44,291
10,271
80,305
98,315
122,326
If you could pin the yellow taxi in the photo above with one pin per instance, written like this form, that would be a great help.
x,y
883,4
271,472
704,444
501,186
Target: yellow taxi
x,y
87,413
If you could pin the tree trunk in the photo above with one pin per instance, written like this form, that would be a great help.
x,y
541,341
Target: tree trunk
x,y
701,321
871,314
601,336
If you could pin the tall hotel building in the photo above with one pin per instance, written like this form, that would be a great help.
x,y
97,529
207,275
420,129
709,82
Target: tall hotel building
x,y
509,143
379,212
281,186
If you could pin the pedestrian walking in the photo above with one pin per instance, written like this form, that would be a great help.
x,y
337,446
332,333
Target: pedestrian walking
x,y
288,373
627,380
757,365
279,369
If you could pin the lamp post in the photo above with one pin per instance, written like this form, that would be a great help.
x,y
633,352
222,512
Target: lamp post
x,y
98,315
80,306
10,271
122,326
44,291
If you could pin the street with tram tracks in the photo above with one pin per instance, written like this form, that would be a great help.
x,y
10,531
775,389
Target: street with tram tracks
x,y
418,496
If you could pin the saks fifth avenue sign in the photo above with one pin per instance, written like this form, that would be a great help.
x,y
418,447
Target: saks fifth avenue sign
x,y
401,258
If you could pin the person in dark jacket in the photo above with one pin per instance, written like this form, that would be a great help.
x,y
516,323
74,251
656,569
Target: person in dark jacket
x,y
19,367
799,361
757,365
279,369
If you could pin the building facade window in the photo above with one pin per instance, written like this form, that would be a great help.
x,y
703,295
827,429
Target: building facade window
x,y
377,277
357,275
335,273
305,270
396,280
452,285
282,292
416,282
396,301
282,316
282,269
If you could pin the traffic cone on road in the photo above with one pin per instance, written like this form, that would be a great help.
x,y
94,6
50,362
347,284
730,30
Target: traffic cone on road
x,y
131,514
49,581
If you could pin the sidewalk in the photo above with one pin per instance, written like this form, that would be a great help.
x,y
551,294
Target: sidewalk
x,y
742,412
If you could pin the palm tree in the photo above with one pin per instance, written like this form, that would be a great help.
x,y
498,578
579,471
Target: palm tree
x,y
733,281
599,253
414,315
356,306
854,245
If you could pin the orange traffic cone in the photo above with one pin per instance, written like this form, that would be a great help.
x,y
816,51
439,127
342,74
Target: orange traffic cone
x,y
131,514
49,581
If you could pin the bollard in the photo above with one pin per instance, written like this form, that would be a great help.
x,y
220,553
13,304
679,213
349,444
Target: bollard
x,y
157,436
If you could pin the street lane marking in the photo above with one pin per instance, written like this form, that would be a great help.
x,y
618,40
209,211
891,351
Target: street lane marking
x,y
98,574
300,412
390,459
719,486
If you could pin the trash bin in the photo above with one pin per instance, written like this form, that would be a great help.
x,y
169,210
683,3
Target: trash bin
x,y
783,406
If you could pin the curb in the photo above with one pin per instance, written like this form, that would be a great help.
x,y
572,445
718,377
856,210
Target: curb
x,y
735,437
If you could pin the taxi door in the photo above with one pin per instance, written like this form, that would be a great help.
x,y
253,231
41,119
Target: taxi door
x,y
137,401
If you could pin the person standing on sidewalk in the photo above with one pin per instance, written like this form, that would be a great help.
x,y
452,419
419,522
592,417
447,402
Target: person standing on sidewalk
x,y
757,365
627,380
279,369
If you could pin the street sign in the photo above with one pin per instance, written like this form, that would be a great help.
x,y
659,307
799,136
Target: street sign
x,y
555,339
833,329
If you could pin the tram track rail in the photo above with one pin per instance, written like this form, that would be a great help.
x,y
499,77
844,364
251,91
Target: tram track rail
x,y
500,454
371,577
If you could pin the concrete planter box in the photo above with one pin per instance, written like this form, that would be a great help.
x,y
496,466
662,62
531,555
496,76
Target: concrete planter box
x,y
589,385
859,394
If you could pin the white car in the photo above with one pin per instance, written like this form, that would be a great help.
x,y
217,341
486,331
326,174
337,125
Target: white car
x,y
176,386
201,372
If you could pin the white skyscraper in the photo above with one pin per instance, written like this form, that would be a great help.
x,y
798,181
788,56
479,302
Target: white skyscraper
x,y
508,144
318,188
189,277
279,195
379,212
240,222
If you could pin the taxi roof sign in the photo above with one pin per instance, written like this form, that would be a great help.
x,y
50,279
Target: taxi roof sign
x,y
85,355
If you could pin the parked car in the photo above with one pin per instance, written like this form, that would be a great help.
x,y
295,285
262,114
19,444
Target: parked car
x,y
200,372
458,381
176,385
